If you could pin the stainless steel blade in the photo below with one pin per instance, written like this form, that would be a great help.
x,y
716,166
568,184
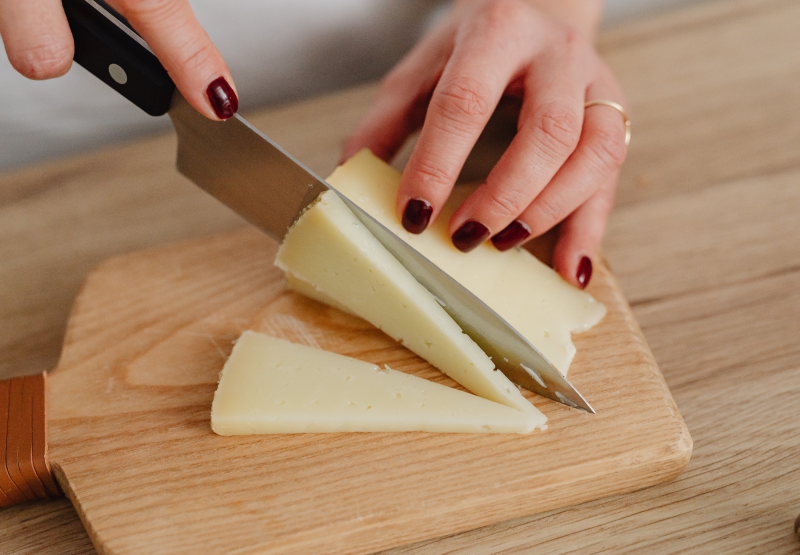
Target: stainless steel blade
x,y
512,354
244,169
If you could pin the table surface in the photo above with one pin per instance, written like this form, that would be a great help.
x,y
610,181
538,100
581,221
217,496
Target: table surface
x,y
705,240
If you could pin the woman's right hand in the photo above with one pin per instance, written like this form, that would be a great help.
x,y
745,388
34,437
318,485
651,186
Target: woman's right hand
x,y
40,46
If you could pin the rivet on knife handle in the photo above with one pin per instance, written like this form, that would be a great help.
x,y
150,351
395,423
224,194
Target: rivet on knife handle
x,y
109,49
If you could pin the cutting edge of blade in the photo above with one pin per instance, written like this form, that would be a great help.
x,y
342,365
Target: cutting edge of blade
x,y
362,215
552,385
582,403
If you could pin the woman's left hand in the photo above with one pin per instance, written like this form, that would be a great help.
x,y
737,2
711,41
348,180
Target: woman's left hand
x,y
563,163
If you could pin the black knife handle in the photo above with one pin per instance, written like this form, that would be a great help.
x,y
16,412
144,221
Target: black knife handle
x,y
107,46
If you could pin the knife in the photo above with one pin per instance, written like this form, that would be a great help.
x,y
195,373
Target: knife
x,y
244,169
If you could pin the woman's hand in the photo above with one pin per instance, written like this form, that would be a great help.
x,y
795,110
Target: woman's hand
x,y
40,46
561,166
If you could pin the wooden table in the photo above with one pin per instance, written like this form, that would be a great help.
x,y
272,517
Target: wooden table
x,y
705,240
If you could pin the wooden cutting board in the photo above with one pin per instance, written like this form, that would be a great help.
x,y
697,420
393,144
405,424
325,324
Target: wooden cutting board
x,y
130,442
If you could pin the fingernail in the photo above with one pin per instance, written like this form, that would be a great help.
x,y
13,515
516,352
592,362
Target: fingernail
x,y
584,272
470,235
513,234
417,215
222,98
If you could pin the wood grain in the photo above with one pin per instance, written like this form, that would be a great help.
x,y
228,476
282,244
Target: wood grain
x,y
710,89
714,106
147,338
62,219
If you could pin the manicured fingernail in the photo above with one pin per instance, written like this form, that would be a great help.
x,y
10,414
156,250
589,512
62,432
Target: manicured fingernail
x,y
584,272
417,215
470,235
513,234
222,98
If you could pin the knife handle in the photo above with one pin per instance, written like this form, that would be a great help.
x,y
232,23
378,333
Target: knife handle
x,y
107,46
25,473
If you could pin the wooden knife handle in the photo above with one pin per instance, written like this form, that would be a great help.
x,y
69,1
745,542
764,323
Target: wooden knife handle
x,y
24,471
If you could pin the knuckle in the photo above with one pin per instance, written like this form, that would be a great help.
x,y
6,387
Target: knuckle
x,y
549,214
463,101
609,149
432,174
196,55
574,41
559,128
43,60
504,203
498,13
194,51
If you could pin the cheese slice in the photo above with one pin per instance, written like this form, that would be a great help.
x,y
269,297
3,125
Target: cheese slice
x,y
343,264
272,386
528,294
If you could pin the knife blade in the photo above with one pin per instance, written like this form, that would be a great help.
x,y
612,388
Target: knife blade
x,y
244,169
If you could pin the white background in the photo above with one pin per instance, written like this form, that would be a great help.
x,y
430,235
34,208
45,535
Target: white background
x,y
277,50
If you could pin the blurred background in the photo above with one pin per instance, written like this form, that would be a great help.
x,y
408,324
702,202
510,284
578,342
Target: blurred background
x,y
278,51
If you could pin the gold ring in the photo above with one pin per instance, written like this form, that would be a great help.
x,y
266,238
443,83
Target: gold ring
x,y
620,109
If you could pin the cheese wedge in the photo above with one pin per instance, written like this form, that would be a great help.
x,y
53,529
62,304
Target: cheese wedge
x,y
344,265
529,295
272,386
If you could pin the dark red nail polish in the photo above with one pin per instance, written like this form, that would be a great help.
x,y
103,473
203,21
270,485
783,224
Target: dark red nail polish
x,y
513,234
417,215
584,272
222,98
470,235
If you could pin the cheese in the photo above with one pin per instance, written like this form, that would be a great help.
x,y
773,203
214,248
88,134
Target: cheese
x,y
342,263
305,288
529,295
272,386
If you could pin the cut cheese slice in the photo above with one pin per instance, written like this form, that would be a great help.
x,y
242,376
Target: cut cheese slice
x,y
305,288
272,386
343,264
529,295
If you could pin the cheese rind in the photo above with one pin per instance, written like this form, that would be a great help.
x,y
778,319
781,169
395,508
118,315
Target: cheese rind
x,y
529,295
271,386
330,250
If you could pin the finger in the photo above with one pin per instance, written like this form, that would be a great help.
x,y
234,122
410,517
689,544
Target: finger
x,y
37,37
600,152
579,236
399,107
485,58
549,130
193,62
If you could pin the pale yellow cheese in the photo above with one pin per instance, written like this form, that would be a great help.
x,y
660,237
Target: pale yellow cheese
x,y
330,249
272,386
309,290
529,295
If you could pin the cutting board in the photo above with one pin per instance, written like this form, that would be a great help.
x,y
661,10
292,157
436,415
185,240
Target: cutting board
x,y
130,443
